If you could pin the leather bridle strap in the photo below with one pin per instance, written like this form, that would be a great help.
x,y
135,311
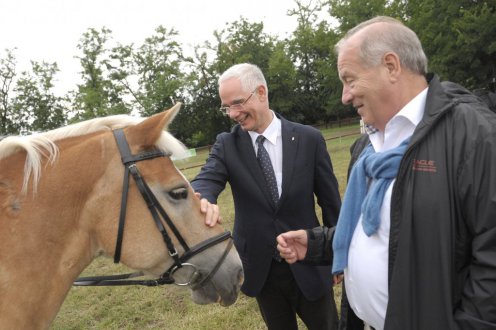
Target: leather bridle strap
x,y
121,279
166,278
122,216
129,162
215,269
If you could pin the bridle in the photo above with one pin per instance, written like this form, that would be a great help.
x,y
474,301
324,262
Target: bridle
x,y
159,216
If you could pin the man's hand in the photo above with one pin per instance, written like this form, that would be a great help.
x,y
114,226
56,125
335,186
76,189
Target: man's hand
x,y
292,245
211,211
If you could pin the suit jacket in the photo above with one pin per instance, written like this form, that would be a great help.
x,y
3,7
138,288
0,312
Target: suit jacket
x,y
307,170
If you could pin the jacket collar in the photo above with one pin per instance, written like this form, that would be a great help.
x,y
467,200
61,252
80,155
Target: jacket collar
x,y
437,104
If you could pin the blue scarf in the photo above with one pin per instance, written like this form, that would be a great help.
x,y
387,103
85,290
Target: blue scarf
x,y
382,168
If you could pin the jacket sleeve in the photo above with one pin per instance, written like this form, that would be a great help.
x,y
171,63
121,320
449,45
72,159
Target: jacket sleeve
x,y
319,249
212,179
356,149
477,200
326,185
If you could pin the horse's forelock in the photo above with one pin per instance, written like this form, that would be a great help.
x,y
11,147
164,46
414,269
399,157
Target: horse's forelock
x,y
169,143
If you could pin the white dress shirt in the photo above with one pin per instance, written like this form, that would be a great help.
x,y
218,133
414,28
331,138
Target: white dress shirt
x,y
366,275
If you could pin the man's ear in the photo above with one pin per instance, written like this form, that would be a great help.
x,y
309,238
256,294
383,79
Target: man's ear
x,y
393,65
261,92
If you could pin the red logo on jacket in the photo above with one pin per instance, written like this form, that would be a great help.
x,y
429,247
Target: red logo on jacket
x,y
424,165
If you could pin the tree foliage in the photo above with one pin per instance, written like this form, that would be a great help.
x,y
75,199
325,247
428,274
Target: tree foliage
x,y
98,95
28,101
7,75
152,73
199,121
35,106
457,35
458,38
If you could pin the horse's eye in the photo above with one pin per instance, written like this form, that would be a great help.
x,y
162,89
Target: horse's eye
x,y
179,193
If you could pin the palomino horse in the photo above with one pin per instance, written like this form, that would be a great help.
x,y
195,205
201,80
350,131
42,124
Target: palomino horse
x,y
69,204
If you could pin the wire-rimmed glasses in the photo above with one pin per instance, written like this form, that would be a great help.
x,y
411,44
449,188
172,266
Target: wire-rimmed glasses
x,y
236,104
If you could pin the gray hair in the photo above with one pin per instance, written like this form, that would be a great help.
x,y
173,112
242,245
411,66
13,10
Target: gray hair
x,y
394,37
249,75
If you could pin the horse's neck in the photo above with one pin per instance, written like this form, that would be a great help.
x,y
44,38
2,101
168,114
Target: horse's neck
x,y
40,258
37,271
43,244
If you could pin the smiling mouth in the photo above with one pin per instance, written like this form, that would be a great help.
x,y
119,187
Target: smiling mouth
x,y
242,119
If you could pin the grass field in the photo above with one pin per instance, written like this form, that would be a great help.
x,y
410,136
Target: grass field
x,y
170,307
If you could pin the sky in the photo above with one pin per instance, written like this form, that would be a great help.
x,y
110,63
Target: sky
x,y
49,30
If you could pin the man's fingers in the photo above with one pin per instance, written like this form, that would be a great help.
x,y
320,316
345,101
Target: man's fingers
x,y
203,205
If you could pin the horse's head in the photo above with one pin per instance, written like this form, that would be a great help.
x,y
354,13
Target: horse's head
x,y
157,191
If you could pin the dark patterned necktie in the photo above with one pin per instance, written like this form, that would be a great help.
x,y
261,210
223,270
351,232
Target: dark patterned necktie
x,y
267,169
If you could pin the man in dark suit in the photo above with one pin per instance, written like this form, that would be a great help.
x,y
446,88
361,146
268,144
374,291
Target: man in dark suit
x,y
267,206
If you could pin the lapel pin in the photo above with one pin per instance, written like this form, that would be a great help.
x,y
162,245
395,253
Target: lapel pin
x,y
292,138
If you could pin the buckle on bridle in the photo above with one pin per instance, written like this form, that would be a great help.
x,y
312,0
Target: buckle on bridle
x,y
173,253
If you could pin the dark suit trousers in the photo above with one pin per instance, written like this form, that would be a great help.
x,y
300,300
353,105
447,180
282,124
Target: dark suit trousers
x,y
281,300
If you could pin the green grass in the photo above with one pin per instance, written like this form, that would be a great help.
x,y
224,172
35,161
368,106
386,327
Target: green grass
x,y
170,307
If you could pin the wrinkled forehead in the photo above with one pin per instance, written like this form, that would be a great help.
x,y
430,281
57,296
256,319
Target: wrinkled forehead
x,y
348,59
230,89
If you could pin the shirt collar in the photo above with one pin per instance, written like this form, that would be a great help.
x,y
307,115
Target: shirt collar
x,y
414,110
401,126
271,132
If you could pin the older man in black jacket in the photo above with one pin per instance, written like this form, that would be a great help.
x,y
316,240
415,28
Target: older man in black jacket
x,y
422,255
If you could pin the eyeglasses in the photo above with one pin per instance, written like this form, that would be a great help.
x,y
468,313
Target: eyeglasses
x,y
236,105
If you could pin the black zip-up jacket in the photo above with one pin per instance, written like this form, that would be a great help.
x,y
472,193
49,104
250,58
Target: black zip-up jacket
x,y
442,247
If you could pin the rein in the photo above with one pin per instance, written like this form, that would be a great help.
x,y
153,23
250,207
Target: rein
x,y
158,213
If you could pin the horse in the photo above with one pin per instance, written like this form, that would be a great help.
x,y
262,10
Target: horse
x,y
103,187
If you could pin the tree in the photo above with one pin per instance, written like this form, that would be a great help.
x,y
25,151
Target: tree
x,y
242,42
281,78
200,121
152,74
7,76
458,38
316,79
350,13
97,96
35,106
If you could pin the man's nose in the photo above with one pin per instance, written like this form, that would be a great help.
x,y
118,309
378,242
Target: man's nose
x,y
346,96
233,113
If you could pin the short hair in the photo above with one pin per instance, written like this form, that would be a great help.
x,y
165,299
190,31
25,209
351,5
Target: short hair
x,y
249,75
395,37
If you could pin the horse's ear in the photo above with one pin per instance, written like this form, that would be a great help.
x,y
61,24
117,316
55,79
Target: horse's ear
x,y
149,130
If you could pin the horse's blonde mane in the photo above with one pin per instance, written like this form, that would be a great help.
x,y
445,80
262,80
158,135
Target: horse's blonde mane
x,y
41,145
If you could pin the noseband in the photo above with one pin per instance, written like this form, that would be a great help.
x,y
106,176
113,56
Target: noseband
x,y
159,215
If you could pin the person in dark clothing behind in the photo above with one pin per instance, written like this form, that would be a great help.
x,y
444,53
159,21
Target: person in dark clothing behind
x,y
271,197
416,237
